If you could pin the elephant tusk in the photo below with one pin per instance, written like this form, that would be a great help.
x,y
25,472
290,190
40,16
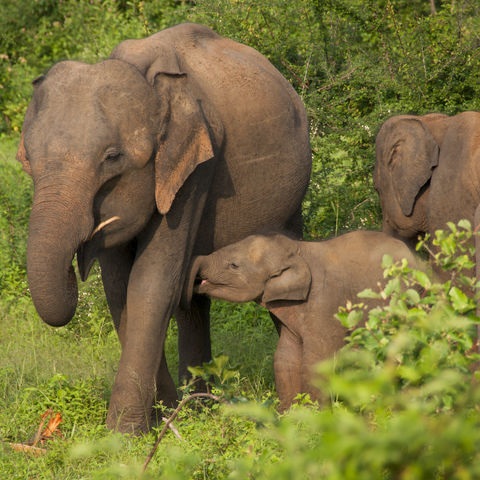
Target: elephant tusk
x,y
103,225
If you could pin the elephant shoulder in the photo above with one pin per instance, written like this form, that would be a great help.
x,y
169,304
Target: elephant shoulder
x,y
138,53
191,31
144,52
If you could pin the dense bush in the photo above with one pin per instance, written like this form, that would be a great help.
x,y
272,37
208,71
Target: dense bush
x,y
402,400
354,63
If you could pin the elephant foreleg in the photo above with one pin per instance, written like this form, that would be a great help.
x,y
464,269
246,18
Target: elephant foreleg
x,y
116,264
142,374
154,288
194,345
287,363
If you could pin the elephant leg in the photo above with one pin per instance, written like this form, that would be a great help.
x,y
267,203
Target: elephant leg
x,y
287,362
116,264
194,345
154,289
276,322
315,349
294,224
164,392
151,298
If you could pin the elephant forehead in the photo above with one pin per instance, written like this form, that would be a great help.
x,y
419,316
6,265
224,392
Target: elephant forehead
x,y
257,249
79,86
254,255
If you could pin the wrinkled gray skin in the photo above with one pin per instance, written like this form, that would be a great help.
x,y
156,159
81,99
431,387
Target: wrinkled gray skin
x,y
179,144
302,284
427,173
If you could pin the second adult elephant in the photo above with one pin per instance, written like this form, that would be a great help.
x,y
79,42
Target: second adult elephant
x,y
179,144
427,173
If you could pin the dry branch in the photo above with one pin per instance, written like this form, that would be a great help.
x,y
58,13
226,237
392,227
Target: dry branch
x,y
172,418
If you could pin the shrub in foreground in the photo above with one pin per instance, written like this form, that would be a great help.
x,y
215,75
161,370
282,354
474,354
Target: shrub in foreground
x,y
403,402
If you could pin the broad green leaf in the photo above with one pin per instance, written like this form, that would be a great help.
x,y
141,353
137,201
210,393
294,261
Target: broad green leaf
x,y
369,293
461,303
422,278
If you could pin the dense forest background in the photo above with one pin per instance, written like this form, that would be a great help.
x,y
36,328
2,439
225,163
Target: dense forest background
x,y
401,406
354,63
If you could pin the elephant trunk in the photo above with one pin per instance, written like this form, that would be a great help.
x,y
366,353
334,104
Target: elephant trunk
x,y
187,291
58,226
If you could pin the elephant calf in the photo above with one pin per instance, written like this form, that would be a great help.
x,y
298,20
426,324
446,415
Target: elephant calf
x,y
302,284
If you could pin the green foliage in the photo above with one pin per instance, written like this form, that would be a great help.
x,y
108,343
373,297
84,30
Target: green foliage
x,y
216,374
37,33
403,403
15,200
356,63
78,401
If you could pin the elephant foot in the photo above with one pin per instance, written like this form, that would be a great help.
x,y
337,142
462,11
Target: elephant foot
x,y
127,423
137,420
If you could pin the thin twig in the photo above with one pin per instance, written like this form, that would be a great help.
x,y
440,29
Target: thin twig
x,y
171,426
172,418
352,215
340,78
291,71
305,77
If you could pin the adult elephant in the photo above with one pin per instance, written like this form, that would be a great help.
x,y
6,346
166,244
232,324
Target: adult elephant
x,y
427,173
178,144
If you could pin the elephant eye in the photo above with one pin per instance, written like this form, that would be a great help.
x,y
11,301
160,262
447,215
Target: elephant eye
x,y
233,266
111,155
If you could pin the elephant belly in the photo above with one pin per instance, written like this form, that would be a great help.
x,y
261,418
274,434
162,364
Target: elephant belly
x,y
260,193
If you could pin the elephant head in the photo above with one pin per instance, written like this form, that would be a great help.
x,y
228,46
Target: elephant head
x,y
107,146
407,152
259,267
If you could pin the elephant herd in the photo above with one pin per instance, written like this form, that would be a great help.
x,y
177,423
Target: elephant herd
x,y
165,161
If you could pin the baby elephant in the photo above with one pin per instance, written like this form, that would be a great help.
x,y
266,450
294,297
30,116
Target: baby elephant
x,y
302,284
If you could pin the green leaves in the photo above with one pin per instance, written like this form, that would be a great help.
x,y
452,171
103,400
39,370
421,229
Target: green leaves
x,y
350,318
216,375
460,302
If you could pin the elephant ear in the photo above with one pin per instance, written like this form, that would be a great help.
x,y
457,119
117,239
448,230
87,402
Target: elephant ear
x,y
184,140
22,157
291,281
21,151
410,153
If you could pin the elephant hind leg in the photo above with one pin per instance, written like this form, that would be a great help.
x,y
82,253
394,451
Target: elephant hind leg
x,y
164,391
194,345
294,224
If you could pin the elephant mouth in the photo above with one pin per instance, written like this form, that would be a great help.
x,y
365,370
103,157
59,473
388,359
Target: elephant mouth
x,y
200,285
197,282
87,252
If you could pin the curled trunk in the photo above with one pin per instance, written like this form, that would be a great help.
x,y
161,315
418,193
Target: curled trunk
x,y
188,288
58,226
